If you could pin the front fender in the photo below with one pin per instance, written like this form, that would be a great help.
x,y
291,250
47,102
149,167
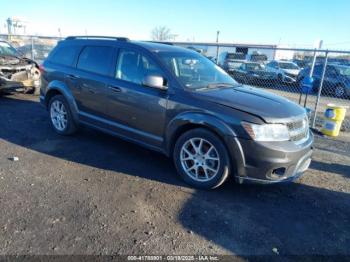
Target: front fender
x,y
226,133
59,86
196,118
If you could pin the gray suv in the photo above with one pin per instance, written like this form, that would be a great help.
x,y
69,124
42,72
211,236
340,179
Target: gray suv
x,y
177,102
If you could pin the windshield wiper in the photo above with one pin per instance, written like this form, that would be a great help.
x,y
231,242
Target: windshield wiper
x,y
215,85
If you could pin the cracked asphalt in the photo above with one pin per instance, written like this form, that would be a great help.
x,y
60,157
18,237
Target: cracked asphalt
x,y
95,194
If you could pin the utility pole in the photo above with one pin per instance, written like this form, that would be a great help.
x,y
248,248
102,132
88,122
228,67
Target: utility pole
x,y
217,47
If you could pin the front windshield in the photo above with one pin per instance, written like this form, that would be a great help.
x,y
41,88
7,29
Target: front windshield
x,y
288,65
7,50
195,71
344,71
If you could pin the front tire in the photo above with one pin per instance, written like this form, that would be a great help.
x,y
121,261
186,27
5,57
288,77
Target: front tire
x,y
201,159
61,117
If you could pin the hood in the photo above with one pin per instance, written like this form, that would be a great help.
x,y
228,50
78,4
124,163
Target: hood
x,y
11,61
293,72
271,108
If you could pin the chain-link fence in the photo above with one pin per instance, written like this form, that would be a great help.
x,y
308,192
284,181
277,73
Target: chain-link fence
x,y
284,71
34,47
279,70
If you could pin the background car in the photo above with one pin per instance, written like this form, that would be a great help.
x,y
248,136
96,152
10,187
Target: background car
x,y
257,57
17,71
286,71
253,73
301,63
336,80
231,61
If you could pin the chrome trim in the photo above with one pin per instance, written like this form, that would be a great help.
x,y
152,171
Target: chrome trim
x,y
302,141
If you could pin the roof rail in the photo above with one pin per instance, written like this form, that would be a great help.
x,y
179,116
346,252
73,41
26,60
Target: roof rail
x,y
123,39
161,42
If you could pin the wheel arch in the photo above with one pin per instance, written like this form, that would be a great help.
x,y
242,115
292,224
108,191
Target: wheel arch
x,y
192,120
60,88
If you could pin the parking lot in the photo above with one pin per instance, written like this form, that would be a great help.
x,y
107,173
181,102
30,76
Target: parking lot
x,y
293,94
95,194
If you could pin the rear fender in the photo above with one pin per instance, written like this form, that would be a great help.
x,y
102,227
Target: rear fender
x,y
59,86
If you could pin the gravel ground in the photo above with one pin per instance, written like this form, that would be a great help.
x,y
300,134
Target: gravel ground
x,y
95,194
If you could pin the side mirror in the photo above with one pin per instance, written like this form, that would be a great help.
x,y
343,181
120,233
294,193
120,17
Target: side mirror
x,y
154,81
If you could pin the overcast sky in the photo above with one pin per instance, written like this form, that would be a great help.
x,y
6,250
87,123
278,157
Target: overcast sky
x,y
286,22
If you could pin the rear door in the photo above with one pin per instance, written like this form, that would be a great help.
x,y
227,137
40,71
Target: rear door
x,y
95,69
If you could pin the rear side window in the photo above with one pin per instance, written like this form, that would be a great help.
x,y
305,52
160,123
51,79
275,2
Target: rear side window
x,y
97,59
65,55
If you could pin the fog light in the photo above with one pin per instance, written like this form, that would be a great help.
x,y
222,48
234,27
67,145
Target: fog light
x,y
278,173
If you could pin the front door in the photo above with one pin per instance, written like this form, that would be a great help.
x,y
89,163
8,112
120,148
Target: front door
x,y
139,109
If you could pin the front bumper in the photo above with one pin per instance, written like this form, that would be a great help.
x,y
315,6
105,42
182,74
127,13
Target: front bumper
x,y
21,77
273,162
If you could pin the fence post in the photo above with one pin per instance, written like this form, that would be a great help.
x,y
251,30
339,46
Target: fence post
x,y
32,51
217,47
320,90
310,75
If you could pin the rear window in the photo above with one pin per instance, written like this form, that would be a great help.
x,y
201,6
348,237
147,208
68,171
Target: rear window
x,y
97,59
65,55
237,56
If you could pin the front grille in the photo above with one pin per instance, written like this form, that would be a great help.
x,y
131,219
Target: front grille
x,y
299,130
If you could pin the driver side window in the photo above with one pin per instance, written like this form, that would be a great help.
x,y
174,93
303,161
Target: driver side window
x,y
134,67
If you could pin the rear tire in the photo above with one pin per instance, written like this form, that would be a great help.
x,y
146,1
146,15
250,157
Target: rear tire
x,y
60,116
201,159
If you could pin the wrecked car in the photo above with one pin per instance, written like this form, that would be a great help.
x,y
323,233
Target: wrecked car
x,y
17,71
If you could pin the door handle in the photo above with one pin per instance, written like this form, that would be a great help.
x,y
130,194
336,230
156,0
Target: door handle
x,y
73,77
115,89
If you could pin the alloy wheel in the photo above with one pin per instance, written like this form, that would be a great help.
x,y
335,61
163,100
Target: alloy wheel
x,y
58,114
339,91
200,159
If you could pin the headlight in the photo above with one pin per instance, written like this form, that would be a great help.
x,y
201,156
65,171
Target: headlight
x,y
35,73
267,132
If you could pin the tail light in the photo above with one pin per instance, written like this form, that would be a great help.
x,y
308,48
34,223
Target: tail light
x,y
41,68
